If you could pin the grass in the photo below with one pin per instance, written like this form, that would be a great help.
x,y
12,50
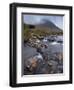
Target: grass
x,y
27,33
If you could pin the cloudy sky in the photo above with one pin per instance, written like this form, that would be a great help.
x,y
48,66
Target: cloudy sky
x,y
35,19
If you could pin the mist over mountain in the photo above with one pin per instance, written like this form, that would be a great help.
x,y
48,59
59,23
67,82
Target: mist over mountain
x,y
46,23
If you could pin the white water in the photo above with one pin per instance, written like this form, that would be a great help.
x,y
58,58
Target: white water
x,y
39,56
54,43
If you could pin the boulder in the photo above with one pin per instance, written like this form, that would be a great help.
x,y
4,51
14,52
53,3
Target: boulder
x,y
30,66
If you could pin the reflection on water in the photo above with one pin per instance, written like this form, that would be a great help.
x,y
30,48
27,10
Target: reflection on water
x,y
43,56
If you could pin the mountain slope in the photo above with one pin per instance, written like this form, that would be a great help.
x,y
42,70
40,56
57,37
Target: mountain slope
x,y
49,25
45,27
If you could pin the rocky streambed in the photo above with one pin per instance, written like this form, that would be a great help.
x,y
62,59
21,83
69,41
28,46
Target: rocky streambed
x,y
42,57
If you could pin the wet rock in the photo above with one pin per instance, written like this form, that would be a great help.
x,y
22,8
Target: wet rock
x,y
53,65
43,68
58,57
60,68
30,65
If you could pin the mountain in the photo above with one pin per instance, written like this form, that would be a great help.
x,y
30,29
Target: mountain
x,y
45,27
48,25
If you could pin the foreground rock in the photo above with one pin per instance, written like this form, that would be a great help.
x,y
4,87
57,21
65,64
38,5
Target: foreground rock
x,y
39,65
